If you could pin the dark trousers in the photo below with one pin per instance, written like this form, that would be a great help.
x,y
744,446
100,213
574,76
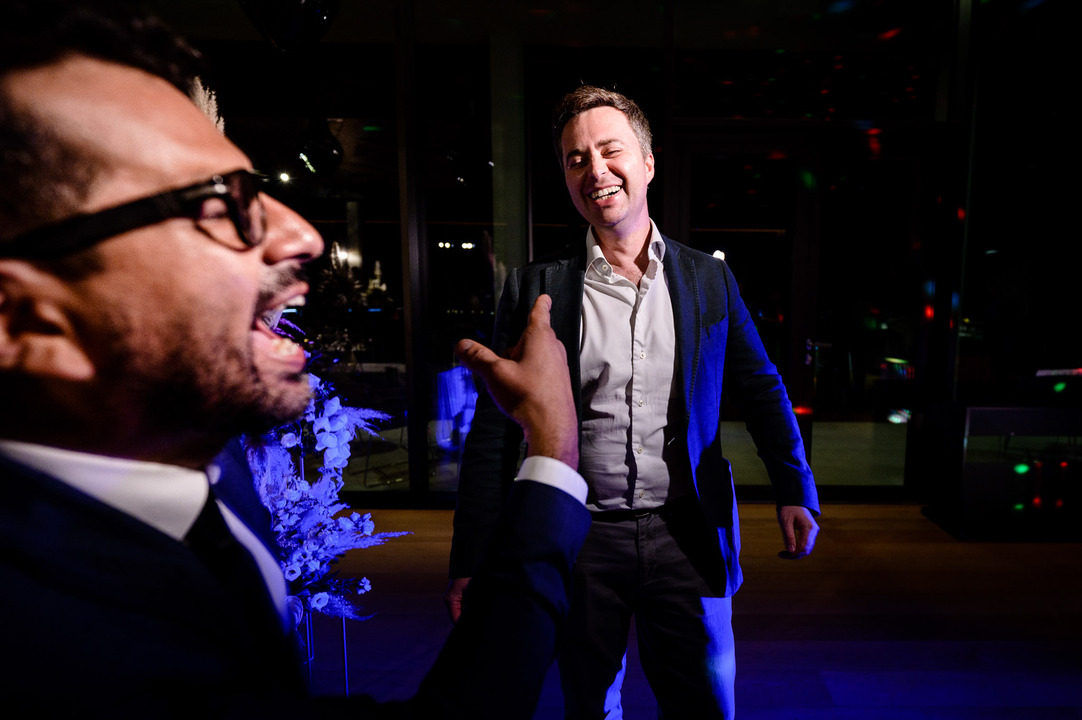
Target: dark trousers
x,y
665,570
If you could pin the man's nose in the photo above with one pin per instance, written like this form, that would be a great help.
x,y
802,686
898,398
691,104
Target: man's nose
x,y
289,236
597,167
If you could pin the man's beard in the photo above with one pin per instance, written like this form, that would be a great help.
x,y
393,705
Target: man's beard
x,y
202,383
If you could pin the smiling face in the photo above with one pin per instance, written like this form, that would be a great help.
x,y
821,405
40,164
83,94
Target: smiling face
x,y
606,173
171,320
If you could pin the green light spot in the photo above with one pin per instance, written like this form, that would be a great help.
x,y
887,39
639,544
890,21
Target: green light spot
x,y
1059,387
808,179
1019,507
1021,468
372,128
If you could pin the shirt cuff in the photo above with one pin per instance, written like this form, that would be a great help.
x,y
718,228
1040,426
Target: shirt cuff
x,y
558,474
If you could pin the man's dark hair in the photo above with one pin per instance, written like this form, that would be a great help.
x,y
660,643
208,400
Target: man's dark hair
x,y
589,97
42,178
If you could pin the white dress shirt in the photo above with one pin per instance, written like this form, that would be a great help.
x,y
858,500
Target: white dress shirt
x,y
627,353
166,497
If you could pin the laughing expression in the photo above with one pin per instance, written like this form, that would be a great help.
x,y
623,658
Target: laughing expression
x,y
178,322
606,173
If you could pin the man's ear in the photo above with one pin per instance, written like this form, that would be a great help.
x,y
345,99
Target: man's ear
x,y
37,335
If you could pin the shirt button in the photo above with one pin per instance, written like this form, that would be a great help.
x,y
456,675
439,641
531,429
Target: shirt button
x,y
641,403
639,449
642,353
642,493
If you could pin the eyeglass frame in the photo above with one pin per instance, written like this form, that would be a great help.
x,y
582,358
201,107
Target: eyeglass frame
x,y
86,230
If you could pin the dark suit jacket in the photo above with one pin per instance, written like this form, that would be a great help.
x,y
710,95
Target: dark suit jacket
x,y
715,341
105,616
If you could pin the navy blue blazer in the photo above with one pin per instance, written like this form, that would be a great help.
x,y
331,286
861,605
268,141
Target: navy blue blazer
x,y
105,616
716,344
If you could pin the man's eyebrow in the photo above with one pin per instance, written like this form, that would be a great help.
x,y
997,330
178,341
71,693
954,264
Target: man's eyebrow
x,y
601,144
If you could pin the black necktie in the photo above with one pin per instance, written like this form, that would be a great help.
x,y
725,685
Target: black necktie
x,y
230,562
272,658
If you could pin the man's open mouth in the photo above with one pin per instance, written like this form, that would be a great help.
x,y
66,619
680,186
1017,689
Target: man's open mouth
x,y
604,193
273,315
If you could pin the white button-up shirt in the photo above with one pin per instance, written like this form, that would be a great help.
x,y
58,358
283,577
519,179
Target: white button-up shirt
x,y
627,352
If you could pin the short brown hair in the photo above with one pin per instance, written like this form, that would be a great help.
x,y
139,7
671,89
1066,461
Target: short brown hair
x,y
589,97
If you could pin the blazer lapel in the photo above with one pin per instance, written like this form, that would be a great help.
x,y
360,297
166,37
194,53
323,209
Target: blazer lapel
x,y
563,282
683,284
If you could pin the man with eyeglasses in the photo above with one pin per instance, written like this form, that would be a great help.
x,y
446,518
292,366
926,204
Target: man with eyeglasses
x,y
140,269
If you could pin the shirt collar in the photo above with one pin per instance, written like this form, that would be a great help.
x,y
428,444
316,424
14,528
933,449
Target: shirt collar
x,y
166,497
595,258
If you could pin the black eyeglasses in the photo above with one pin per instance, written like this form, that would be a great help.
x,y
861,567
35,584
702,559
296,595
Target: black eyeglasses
x,y
234,194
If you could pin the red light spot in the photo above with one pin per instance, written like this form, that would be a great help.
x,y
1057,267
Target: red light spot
x,y
1063,464
802,410
776,155
1059,503
824,91
873,131
893,33
929,312
1037,501
961,214
726,82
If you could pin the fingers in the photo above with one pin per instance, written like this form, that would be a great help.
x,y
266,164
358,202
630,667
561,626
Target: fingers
x,y
532,385
799,531
453,597
539,314
790,539
475,356
538,323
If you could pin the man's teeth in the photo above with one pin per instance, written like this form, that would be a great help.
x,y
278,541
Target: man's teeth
x,y
272,316
601,194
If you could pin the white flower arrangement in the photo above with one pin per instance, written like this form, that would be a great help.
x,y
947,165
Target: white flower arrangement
x,y
311,535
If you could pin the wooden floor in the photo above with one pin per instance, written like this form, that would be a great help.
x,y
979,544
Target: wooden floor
x,y
891,618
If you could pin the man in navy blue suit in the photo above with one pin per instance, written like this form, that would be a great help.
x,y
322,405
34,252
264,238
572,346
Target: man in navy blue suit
x,y
139,264
651,329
